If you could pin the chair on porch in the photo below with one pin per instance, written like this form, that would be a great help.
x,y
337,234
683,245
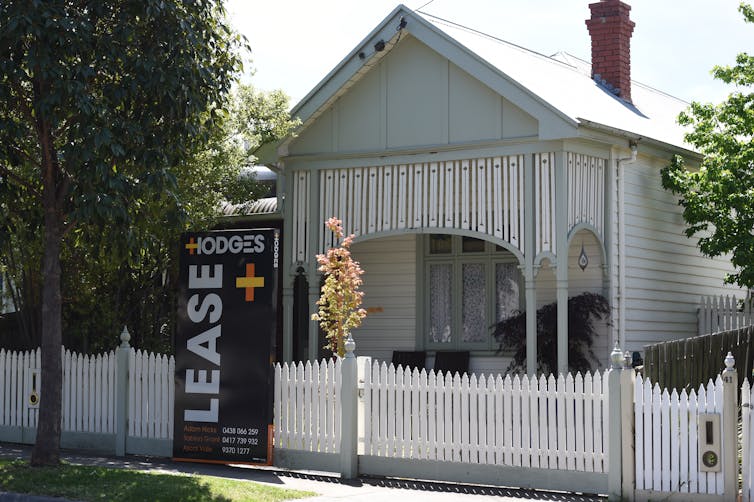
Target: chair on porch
x,y
409,359
452,361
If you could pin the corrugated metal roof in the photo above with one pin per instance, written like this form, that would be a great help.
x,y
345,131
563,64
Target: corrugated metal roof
x,y
268,205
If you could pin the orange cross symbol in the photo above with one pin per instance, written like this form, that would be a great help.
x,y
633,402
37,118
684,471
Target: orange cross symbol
x,y
249,282
192,245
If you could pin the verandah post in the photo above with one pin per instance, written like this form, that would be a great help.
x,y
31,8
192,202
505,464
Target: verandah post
x,y
121,392
349,413
730,428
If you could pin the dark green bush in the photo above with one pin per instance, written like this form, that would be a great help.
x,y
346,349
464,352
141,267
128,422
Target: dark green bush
x,y
583,309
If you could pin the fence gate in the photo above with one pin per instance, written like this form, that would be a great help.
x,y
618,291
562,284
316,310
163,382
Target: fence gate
x,y
682,440
520,431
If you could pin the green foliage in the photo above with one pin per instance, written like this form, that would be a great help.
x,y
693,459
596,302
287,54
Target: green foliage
x,y
718,199
339,304
93,483
583,310
119,262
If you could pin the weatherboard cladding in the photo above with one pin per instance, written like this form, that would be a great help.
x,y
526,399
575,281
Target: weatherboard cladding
x,y
389,266
665,273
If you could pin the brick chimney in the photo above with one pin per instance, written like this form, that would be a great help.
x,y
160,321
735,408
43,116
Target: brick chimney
x,y
610,29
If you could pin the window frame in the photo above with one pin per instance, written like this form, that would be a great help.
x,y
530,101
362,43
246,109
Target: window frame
x,y
490,258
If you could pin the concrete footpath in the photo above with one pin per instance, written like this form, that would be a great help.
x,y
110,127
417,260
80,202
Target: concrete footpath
x,y
329,487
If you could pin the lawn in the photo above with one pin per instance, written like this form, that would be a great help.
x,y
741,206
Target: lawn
x,y
88,483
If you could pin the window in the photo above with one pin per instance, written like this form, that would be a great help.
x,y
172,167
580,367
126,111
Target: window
x,y
469,285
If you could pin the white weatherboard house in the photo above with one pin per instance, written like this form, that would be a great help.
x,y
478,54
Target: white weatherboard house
x,y
473,173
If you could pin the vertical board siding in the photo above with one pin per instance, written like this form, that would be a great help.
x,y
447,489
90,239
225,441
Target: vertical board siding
x,y
151,387
484,195
666,435
586,191
547,424
307,406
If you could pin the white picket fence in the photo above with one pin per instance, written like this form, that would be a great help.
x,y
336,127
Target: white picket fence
x,y
541,423
667,438
88,392
15,388
721,313
151,395
307,406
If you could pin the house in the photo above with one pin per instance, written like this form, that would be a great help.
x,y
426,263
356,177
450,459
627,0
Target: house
x,y
481,178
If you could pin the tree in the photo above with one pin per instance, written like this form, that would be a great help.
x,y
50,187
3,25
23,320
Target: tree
x,y
100,102
108,285
718,199
339,305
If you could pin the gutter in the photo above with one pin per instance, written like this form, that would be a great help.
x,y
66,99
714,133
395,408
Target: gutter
x,y
633,137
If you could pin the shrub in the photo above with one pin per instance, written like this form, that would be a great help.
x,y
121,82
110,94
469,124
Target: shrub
x,y
583,309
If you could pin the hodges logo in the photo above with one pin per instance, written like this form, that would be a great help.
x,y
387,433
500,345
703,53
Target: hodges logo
x,y
219,244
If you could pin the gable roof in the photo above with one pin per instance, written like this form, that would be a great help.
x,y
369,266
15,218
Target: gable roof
x,y
557,90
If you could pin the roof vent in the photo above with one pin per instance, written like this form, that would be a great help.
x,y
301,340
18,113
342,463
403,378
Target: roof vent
x,y
610,29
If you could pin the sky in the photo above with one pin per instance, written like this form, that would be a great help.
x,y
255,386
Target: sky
x,y
675,43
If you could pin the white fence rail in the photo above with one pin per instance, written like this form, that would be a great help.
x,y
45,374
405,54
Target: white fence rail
x,y
667,438
721,313
542,423
307,406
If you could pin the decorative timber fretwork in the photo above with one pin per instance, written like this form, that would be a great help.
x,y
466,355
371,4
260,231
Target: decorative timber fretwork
x,y
483,195
586,191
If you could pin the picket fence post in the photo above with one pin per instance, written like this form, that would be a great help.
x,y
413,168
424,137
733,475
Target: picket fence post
x,y
628,436
121,392
620,378
349,413
730,428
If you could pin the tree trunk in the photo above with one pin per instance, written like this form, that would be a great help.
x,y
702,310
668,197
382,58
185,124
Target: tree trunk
x,y
46,450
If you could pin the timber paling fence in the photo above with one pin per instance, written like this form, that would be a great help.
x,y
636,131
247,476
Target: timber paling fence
x,y
691,362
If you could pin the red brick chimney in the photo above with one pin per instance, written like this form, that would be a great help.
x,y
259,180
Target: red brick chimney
x,y
610,29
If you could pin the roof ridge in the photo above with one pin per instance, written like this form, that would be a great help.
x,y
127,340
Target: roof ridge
x,y
473,31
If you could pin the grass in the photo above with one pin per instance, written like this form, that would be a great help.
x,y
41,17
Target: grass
x,y
89,483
